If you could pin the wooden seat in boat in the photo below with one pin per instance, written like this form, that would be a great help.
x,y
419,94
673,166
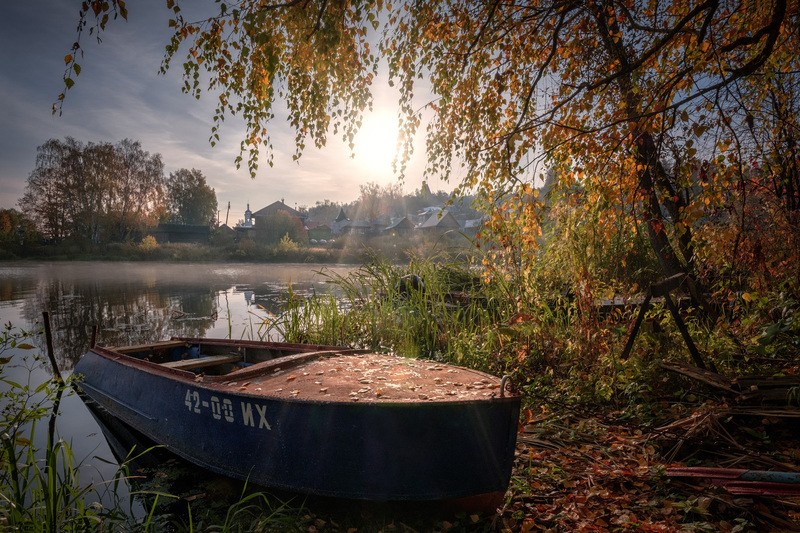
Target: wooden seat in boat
x,y
203,362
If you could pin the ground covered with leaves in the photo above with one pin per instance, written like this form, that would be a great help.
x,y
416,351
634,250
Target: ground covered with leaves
x,y
594,473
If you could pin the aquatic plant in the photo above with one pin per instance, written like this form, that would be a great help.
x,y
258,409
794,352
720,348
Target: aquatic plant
x,y
37,490
428,308
41,489
40,485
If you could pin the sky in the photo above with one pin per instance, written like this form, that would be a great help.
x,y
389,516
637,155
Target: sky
x,y
120,94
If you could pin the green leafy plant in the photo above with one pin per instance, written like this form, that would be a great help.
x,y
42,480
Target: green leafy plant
x,y
40,486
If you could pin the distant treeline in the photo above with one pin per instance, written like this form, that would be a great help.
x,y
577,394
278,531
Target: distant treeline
x,y
81,198
104,192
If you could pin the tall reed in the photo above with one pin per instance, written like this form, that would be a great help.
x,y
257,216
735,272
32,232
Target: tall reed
x,y
40,485
427,308
39,489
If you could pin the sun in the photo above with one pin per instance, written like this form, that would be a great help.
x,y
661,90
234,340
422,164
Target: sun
x,y
376,144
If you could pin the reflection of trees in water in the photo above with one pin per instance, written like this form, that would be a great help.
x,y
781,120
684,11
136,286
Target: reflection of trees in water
x,y
11,286
131,305
124,313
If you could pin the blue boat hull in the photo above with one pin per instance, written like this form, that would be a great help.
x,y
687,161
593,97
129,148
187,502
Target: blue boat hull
x,y
375,451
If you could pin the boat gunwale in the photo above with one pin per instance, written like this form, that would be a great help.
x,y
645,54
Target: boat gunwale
x,y
114,351
218,382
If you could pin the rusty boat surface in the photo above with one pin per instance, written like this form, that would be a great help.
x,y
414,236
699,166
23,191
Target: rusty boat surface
x,y
320,420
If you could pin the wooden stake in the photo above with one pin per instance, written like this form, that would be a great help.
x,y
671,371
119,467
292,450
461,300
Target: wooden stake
x,y
50,353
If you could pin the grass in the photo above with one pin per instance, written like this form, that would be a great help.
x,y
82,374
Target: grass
x,y
40,487
437,309
585,405
420,310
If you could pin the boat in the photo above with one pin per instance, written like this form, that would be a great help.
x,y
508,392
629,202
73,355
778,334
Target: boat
x,y
320,420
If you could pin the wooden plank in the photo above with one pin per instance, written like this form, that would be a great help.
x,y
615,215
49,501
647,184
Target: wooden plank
x,y
202,362
738,481
639,319
698,359
701,374
764,411
285,362
144,347
666,286
780,396
767,382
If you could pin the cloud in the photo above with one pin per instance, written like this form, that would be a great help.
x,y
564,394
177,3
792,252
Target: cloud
x,y
120,94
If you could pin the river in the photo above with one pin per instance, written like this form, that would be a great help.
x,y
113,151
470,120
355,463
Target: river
x,y
137,302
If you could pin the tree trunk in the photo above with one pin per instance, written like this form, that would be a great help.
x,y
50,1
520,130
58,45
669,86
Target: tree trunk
x,y
656,210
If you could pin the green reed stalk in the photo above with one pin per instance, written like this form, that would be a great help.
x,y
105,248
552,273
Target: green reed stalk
x,y
439,313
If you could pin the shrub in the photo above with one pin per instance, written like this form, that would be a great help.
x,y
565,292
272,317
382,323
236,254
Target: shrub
x,y
286,244
149,244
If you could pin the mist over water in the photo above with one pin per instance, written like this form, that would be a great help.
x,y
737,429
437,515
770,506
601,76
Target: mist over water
x,y
131,303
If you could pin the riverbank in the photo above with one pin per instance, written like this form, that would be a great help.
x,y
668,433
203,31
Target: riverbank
x,y
598,431
346,251
179,252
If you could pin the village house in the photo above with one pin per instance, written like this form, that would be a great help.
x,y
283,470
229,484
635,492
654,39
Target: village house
x,y
277,207
433,221
440,224
259,219
356,227
402,227
223,235
318,231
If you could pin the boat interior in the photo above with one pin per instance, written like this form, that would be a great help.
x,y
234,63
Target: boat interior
x,y
224,357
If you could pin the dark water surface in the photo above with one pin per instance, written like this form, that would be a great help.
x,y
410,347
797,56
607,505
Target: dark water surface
x,y
130,303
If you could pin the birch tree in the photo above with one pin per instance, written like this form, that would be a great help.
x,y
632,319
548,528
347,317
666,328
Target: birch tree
x,y
659,110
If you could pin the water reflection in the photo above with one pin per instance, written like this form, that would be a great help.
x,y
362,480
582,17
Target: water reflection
x,y
153,471
132,303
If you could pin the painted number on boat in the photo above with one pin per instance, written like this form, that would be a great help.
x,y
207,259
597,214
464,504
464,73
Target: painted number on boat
x,y
222,409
